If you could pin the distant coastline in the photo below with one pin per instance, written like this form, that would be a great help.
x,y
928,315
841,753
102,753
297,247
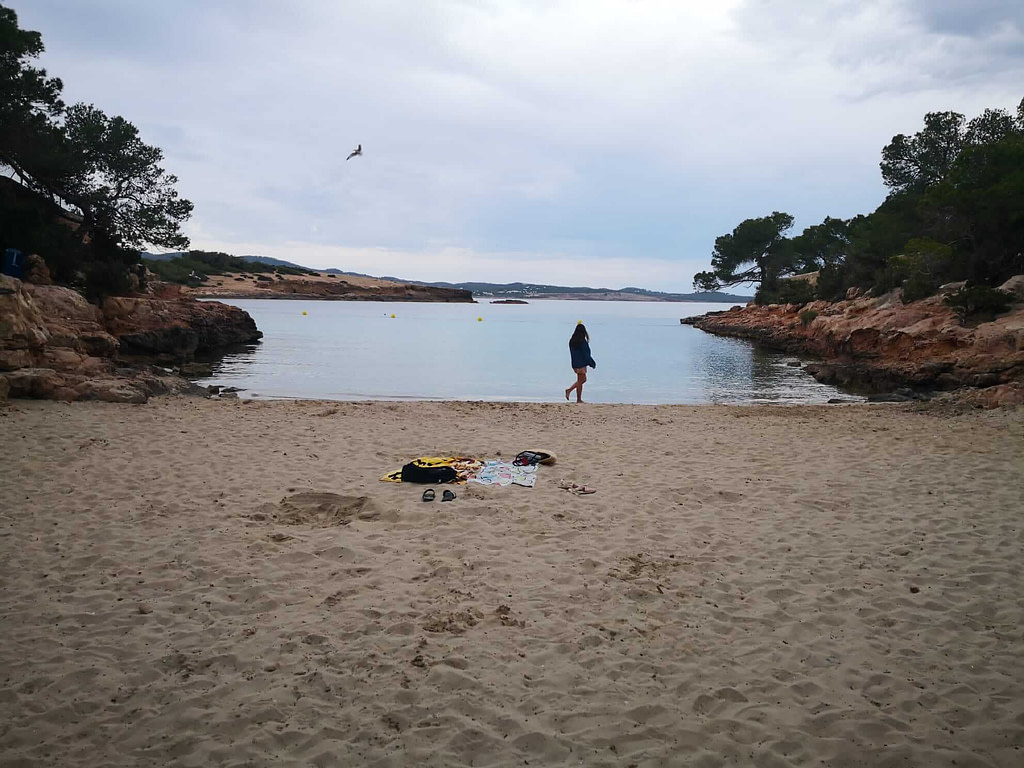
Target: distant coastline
x,y
247,280
332,287
623,296
314,287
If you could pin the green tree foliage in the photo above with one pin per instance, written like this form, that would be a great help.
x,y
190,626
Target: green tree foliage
x,y
116,182
915,162
756,251
955,211
29,99
979,210
107,184
822,245
920,268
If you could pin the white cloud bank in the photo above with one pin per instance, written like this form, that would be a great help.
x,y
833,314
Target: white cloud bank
x,y
603,143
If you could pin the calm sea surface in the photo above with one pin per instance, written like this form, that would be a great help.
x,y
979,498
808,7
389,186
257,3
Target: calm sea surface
x,y
355,350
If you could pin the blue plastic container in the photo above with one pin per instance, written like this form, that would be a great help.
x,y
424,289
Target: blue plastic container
x,y
14,263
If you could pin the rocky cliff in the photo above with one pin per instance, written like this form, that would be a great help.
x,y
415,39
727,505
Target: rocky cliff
x,y
880,344
54,344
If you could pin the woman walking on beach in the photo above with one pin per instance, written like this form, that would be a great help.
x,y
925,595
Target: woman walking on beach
x,y
579,349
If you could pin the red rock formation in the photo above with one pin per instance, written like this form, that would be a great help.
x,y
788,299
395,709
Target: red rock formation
x,y
175,329
46,326
55,345
880,344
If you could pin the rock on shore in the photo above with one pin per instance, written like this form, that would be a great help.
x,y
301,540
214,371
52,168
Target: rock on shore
x,y
56,345
176,329
880,344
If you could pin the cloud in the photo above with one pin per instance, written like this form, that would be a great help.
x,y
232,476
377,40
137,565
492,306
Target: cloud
x,y
877,47
602,132
979,18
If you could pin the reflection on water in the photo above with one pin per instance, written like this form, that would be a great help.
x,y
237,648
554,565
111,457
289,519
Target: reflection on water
x,y
738,372
356,350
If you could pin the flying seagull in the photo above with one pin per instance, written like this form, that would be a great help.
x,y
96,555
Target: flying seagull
x,y
358,151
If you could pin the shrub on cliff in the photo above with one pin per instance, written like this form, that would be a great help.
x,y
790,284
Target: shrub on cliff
x,y
977,302
786,292
921,268
807,317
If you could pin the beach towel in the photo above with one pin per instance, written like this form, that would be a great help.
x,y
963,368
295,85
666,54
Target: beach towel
x,y
504,474
462,465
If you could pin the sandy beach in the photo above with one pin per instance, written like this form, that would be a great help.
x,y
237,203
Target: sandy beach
x,y
763,586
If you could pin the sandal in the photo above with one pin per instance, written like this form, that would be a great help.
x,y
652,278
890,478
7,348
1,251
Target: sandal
x,y
447,495
428,495
575,488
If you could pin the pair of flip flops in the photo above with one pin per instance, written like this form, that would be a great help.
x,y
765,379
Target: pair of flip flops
x,y
428,495
576,489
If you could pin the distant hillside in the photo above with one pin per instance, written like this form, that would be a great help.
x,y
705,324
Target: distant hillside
x,y
255,259
541,291
506,290
193,267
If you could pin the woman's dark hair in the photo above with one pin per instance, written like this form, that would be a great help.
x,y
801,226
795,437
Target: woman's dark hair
x,y
579,335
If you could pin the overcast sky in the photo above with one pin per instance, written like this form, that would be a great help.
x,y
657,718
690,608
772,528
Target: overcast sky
x,y
578,142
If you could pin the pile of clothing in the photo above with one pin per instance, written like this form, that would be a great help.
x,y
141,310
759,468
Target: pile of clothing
x,y
522,470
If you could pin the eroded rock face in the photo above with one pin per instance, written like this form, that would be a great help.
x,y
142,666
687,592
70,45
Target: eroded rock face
x,y
1015,287
56,345
112,391
37,271
879,344
46,326
176,328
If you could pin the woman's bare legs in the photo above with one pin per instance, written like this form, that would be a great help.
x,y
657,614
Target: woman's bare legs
x,y
581,378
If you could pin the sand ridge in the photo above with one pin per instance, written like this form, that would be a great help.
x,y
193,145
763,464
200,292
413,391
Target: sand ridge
x,y
196,582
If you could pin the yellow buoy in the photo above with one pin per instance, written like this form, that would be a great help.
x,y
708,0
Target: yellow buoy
x,y
392,314
303,313
479,319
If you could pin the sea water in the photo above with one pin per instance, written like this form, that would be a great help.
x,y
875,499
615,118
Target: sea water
x,y
342,350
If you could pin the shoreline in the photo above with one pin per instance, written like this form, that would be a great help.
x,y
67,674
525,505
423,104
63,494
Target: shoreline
x,y
747,586
881,344
260,397
198,294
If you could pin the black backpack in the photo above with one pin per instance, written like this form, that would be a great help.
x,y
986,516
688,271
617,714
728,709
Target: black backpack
x,y
412,473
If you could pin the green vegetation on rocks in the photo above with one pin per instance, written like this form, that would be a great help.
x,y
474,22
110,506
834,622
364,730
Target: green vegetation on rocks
x,y
190,268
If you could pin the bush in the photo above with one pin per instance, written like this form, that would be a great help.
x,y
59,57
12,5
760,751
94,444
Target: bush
x,y
831,283
924,265
173,271
178,269
978,302
807,317
786,292
217,263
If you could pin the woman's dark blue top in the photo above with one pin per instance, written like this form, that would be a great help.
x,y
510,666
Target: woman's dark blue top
x,y
581,356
